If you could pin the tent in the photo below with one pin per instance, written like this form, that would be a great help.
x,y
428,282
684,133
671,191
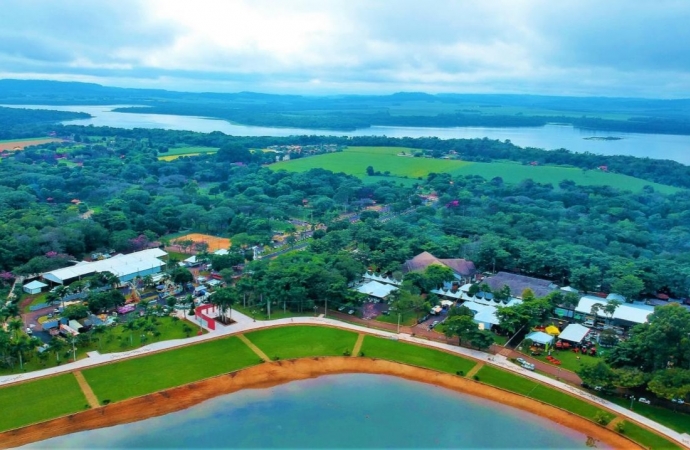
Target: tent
x,y
574,333
34,287
540,337
553,330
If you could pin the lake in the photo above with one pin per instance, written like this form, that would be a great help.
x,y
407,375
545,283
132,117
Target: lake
x,y
336,411
657,146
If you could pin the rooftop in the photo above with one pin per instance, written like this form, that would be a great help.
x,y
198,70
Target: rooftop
x,y
518,283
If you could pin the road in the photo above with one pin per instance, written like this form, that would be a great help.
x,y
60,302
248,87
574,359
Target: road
x,y
245,324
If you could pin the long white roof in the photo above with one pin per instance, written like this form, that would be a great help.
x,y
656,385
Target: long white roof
x,y
119,265
376,289
636,312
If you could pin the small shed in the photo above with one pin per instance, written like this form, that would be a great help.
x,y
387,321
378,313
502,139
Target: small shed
x,y
34,287
574,333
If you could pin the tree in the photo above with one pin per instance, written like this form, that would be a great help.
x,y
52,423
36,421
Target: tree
x,y
223,299
461,326
599,374
182,275
673,383
436,274
56,345
629,286
586,278
630,377
610,307
482,339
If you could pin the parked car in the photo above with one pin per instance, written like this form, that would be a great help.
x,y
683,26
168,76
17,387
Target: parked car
x,y
351,312
528,366
644,400
521,360
29,331
341,308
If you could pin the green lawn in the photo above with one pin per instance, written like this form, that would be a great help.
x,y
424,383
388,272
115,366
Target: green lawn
x,y
302,341
537,391
675,420
392,350
35,300
176,152
569,359
141,376
646,437
261,314
355,160
39,400
407,318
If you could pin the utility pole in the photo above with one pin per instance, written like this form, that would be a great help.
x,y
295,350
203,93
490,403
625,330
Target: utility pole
x,y
325,310
398,323
268,304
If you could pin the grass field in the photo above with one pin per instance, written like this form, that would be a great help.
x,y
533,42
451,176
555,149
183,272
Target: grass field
x,y
174,153
375,347
675,420
303,341
11,144
141,376
408,318
355,160
569,359
40,400
646,437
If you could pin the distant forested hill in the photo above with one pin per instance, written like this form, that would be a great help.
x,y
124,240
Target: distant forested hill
x,y
18,123
350,112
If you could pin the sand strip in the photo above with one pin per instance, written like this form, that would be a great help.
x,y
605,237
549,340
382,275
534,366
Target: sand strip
x,y
279,372
358,345
253,347
473,371
86,389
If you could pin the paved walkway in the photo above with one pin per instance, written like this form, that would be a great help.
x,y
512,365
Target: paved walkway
x,y
254,348
245,323
86,389
358,345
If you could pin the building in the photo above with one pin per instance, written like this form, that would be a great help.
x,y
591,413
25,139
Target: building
x,y
518,283
463,269
376,290
627,314
34,287
125,267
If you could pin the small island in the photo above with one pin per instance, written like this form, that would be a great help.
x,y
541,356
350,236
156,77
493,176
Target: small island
x,y
603,138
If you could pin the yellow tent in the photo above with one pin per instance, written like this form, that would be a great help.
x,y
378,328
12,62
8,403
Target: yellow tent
x,y
552,330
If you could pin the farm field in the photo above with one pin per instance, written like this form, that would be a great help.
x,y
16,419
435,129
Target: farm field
x,y
355,160
147,374
11,144
174,153
40,400
303,341
375,347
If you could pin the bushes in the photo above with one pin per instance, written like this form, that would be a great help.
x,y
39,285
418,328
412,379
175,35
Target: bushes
x,y
602,418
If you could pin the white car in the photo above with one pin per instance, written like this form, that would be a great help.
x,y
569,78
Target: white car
x,y
521,360
350,312
528,366
644,400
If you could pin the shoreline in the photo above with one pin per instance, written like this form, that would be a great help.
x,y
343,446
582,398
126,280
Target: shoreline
x,y
280,372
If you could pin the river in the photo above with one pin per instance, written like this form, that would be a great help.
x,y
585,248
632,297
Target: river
x,y
337,411
550,137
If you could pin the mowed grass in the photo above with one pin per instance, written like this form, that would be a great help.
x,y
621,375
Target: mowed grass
x,y
675,420
393,350
647,438
147,374
39,400
303,341
537,391
176,152
355,160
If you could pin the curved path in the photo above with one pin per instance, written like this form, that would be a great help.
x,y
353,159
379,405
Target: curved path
x,y
244,324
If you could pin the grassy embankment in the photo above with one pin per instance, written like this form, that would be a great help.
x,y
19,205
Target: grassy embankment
x,y
141,376
355,160
538,391
39,400
303,341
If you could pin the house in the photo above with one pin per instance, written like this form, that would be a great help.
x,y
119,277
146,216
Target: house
x,y
463,270
518,283
34,287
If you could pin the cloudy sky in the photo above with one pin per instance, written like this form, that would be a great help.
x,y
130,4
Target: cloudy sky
x,y
611,48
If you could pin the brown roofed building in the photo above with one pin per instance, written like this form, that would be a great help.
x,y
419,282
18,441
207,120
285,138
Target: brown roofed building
x,y
462,268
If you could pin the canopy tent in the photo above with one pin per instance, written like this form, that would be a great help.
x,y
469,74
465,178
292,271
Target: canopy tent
x,y
552,330
574,333
540,337
376,289
447,303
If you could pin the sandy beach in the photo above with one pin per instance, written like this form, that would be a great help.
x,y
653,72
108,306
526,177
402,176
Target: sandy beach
x,y
274,373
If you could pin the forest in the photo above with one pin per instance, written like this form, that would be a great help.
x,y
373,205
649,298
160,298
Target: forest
x,y
350,112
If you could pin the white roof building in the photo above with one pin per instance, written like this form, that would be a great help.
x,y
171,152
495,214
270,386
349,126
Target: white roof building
x,y
629,312
34,287
376,289
125,267
221,252
574,333
380,279
485,313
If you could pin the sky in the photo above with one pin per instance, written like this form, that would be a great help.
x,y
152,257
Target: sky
x,y
565,47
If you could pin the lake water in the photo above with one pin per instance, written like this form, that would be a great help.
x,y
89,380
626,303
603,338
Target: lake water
x,y
337,411
657,146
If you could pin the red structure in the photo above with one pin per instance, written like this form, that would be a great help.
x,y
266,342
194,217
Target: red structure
x,y
208,321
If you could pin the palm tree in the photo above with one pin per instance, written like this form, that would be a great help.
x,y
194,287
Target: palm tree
x,y
611,307
99,331
15,325
111,279
56,345
20,345
224,298
12,310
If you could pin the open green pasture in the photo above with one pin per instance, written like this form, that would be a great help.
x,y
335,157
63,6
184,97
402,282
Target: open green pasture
x,y
646,438
176,152
147,374
393,350
39,400
302,341
355,160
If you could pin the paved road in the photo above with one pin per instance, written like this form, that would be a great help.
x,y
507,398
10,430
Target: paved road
x,y
245,323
